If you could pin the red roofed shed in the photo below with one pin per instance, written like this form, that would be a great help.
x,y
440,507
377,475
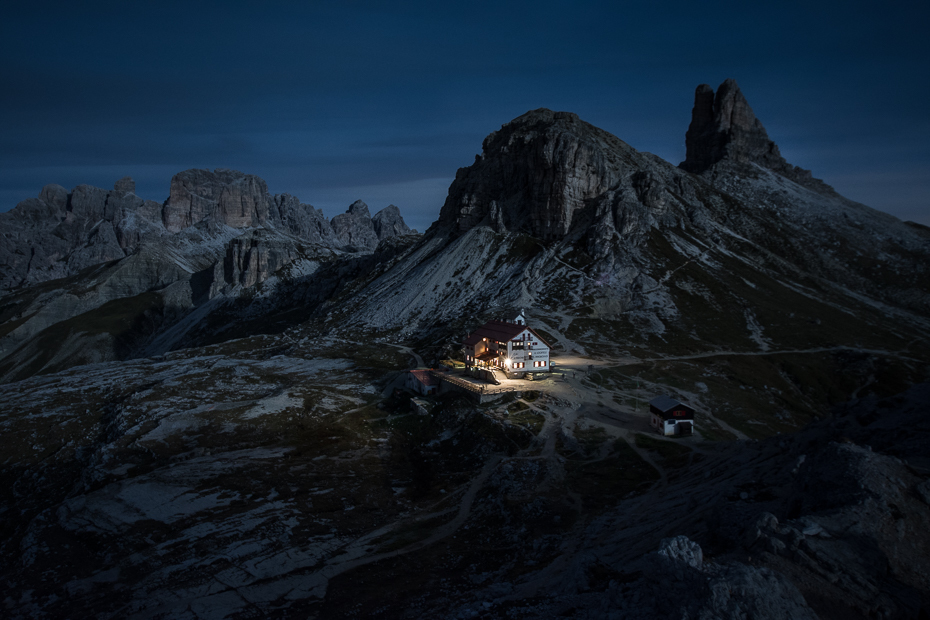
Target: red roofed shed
x,y
422,382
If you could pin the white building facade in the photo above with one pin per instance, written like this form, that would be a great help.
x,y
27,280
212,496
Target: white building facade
x,y
509,345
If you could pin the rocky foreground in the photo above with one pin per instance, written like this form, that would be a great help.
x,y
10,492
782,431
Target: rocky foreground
x,y
271,477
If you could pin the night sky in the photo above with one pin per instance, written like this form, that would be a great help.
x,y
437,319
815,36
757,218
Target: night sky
x,y
381,101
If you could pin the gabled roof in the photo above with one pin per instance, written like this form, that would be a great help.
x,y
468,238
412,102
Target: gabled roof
x,y
424,377
501,331
666,403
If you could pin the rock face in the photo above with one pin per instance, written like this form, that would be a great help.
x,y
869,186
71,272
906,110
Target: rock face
x,y
146,265
556,213
126,185
388,223
723,126
242,201
534,175
228,196
251,259
59,233
303,221
355,228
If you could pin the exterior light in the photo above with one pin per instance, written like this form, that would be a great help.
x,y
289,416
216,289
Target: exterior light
x,y
507,361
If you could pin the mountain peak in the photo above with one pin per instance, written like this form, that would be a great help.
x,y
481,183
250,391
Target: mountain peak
x,y
724,127
534,174
358,209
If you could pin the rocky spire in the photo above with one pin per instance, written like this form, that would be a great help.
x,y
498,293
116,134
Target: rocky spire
x,y
389,223
359,209
723,126
354,227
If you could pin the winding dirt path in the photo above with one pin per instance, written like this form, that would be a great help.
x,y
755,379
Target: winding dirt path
x,y
695,356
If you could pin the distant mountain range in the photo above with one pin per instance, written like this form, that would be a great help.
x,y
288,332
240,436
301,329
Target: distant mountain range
x,y
92,274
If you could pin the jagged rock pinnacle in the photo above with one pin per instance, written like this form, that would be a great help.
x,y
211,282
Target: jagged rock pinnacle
x,y
389,223
723,126
354,227
726,127
126,185
359,208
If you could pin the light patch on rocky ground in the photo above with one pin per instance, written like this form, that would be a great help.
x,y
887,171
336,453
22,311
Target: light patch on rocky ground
x,y
121,504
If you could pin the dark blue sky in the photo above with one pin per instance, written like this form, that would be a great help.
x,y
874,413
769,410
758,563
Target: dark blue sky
x,y
384,101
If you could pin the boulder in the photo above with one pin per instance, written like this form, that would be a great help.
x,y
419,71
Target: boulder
x,y
683,550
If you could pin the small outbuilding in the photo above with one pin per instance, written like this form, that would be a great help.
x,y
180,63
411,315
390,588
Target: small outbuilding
x,y
671,417
422,382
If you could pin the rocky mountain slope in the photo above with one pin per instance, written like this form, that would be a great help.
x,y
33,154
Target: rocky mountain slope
x,y
563,217
254,458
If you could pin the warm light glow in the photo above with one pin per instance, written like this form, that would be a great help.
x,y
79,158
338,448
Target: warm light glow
x,y
507,361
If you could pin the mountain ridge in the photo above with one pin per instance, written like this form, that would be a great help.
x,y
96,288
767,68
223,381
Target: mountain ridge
x,y
577,191
219,235
113,222
554,213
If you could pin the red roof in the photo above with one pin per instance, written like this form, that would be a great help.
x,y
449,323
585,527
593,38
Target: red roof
x,y
500,331
424,377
